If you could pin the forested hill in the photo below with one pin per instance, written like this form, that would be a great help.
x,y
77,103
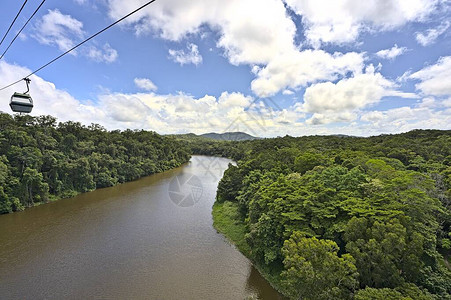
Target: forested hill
x,y
229,136
344,217
41,160
226,136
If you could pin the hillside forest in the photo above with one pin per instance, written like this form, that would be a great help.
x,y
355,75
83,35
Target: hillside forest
x,y
333,217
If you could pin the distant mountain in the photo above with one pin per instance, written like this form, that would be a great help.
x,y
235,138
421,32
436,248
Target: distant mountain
x,y
229,136
343,135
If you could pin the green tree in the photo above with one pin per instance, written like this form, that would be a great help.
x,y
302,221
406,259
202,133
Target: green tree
x,y
230,184
384,252
405,292
313,269
34,188
307,161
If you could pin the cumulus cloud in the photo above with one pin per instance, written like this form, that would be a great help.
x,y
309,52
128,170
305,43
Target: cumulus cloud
x,y
435,79
299,68
330,21
252,37
338,102
428,102
372,116
121,108
145,84
245,35
192,56
430,36
405,119
391,53
320,119
176,113
55,28
64,31
107,54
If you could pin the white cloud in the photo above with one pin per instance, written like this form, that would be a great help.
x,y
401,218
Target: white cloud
x,y
55,28
405,119
192,56
107,54
246,35
391,53
320,119
349,94
23,36
331,21
431,102
369,123
435,79
124,109
288,92
428,102
253,36
430,36
372,116
299,68
145,84
180,112
64,31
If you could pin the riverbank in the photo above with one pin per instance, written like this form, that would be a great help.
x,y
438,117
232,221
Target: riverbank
x,y
41,159
71,194
226,221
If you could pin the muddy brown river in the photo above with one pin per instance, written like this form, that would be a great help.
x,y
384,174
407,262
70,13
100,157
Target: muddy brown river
x,y
148,239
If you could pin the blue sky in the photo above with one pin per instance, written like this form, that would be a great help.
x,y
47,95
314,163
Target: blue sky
x,y
268,67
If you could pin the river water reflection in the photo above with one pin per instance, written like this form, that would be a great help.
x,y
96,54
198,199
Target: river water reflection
x,y
148,239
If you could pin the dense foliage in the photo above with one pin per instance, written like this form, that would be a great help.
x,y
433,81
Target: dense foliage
x,y
200,145
330,217
41,160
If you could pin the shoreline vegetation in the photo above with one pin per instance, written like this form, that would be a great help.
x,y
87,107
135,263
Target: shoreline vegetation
x,y
54,199
227,222
43,161
333,217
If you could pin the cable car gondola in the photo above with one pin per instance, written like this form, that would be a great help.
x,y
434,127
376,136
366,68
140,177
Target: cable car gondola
x,y
22,102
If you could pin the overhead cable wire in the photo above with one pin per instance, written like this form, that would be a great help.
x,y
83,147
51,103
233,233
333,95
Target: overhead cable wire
x,y
14,21
23,27
81,43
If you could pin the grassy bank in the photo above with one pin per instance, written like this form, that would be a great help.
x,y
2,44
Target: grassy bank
x,y
226,220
